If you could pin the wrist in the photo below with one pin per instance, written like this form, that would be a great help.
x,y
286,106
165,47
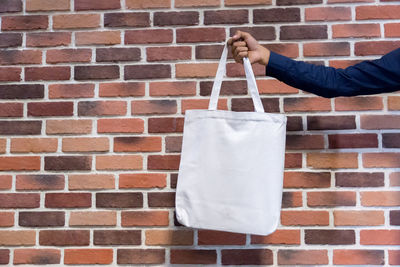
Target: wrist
x,y
265,54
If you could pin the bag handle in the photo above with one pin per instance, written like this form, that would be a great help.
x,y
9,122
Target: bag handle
x,y
251,82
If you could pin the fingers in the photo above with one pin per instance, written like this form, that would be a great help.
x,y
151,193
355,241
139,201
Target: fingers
x,y
239,35
239,53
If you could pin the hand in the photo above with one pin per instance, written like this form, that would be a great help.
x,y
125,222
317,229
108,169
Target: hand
x,y
244,45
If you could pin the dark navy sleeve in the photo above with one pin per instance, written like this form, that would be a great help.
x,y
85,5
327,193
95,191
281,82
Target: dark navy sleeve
x,y
368,77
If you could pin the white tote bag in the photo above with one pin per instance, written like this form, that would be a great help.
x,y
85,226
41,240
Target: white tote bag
x,y
231,170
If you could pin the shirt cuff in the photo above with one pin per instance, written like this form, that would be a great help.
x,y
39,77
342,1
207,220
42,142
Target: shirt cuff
x,y
277,66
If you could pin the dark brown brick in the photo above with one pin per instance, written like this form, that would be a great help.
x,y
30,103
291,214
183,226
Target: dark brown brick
x,y
227,88
395,217
40,182
41,218
68,200
10,39
20,127
294,123
11,109
291,199
11,57
165,125
301,142
64,237
10,6
47,73
176,18
329,237
276,15
173,144
21,91
200,256
137,19
50,109
163,162
226,17
247,257
246,104
4,256
19,200
32,22
45,39
152,71
359,179
331,199
261,33
353,140
297,2
119,200
140,256
197,35
98,72
161,199
117,54
391,140
96,5
304,32
94,108
331,122
209,237
117,237
67,163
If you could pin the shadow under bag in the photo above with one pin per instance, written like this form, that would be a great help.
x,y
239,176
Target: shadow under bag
x,y
231,170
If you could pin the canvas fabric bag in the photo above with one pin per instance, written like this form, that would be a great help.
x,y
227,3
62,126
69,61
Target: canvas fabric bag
x,y
232,163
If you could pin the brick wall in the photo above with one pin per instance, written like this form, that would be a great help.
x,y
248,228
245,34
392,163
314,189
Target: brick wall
x,y
92,101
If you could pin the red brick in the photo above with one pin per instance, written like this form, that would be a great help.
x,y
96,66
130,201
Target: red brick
x,y
375,48
304,32
5,182
144,218
200,35
48,39
19,200
349,1
188,104
130,125
380,237
342,64
4,256
145,4
172,88
195,70
329,237
11,6
142,180
26,163
357,218
64,237
275,87
98,38
50,109
307,104
247,2
394,257
104,108
10,40
197,3
208,237
83,90
93,218
152,71
381,160
304,218
47,73
98,72
68,126
239,16
165,162
140,256
13,57
137,19
378,12
176,18
117,237
358,257
237,70
46,5
169,237
326,49
332,160
394,103
380,199
287,49
395,179
10,74
259,32
200,256
88,256
356,30
276,15
377,122
153,107
331,199
227,88
6,220
129,162
121,89
3,144
247,257
169,53
41,218
328,13
166,125
137,144
353,141
34,145
302,257
68,55
293,160
40,182
301,142
279,237
73,21
31,22
91,181
307,180
392,30
97,5
152,36
68,200
17,238
173,144
358,103
359,179
85,144
20,127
